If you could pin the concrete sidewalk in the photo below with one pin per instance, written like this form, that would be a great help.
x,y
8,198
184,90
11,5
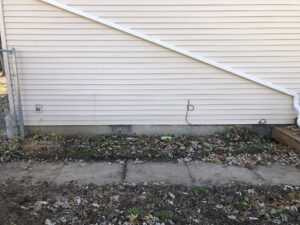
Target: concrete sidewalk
x,y
192,173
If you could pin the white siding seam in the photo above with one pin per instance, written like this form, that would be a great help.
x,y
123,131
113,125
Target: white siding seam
x,y
180,50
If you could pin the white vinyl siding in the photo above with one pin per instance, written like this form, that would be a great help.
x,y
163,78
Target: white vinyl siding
x,y
84,73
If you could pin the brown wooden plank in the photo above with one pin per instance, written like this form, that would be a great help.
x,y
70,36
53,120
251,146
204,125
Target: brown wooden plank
x,y
286,137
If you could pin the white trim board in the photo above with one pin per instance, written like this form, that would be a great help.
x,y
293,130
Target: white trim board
x,y
179,50
5,59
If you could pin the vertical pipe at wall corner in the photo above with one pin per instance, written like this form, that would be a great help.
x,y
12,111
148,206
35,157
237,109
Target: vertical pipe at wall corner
x,y
18,94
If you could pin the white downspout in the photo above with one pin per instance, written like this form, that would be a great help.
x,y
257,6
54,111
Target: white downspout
x,y
181,51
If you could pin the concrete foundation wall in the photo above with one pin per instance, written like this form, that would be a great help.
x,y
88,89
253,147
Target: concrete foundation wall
x,y
140,130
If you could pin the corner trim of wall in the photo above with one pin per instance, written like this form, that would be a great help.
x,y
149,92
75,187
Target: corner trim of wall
x,y
5,58
2,28
179,50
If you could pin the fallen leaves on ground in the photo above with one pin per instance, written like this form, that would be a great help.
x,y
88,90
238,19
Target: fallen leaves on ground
x,y
147,204
240,147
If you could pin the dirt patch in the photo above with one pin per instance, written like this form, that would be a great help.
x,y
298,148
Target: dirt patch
x,y
240,147
147,204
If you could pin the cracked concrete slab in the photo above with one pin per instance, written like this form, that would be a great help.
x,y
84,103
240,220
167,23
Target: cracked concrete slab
x,y
41,172
168,172
14,170
279,174
208,174
100,173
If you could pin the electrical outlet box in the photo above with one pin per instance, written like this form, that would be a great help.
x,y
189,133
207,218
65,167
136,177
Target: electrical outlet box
x,y
38,108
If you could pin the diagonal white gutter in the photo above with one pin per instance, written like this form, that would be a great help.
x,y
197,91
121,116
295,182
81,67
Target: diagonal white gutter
x,y
181,51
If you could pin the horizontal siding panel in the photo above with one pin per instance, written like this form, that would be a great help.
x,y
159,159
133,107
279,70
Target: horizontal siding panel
x,y
154,104
163,31
257,59
159,112
231,13
70,37
59,104
45,43
149,117
63,23
227,36
137,14
175,70
150,54
186,2
31,21
150,48
153,122
36,13
108,96
92,49
253,54
163,37
175,59
134,76
208,19
158,62
243,109
115,60
141,81
157,8
119,76
120,70
161,2
95,54
146,92
100,65
216,25
144,86
155,21
101,31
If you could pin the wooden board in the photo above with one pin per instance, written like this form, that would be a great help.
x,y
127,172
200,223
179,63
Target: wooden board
x,y
286,137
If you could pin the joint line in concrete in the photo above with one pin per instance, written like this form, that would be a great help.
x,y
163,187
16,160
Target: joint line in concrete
x,y
124,172
258,175
192,178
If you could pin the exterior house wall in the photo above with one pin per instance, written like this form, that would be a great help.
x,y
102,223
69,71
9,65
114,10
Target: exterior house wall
x,y
85,73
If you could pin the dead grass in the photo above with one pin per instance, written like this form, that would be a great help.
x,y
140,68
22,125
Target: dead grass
x,y
3,87
43,146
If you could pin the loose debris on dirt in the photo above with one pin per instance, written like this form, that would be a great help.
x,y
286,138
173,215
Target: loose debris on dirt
x,y
156,203
240,147
294,129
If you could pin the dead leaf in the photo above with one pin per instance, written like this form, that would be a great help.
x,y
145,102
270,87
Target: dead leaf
x,y
132,219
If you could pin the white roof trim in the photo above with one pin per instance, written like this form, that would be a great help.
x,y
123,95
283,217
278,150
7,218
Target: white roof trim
x,y
179,50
